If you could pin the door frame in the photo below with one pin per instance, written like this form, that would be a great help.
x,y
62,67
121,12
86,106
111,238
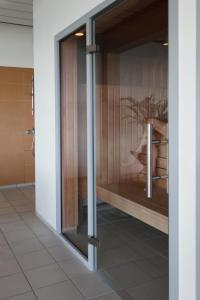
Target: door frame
x,y
174,271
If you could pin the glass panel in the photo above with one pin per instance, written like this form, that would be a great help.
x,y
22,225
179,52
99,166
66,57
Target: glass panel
x,y
131,91
74,139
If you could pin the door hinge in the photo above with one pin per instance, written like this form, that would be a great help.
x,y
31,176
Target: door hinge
x,y
93,241
92,48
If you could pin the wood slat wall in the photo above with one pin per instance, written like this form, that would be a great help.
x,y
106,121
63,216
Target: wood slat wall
x,y
134,76
69,134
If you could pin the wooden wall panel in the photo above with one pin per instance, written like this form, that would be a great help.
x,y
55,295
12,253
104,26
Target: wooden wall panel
x,y
15,118
69,134
136,74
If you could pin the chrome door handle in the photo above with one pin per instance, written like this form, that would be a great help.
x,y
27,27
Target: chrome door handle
x,y
30,131
149,160
150,176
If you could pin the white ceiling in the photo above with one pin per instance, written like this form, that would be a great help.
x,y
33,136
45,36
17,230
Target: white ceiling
x,y
16,12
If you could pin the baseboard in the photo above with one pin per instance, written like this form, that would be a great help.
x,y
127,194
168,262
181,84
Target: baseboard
x,y
18,185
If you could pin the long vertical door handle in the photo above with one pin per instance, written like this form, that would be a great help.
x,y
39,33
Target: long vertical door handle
x,y
149,161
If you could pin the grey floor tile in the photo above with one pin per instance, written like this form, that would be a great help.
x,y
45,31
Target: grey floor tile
x,y
26,296
46,276
13,285
9,267
4,204
61,291
19,235
117,256
74,268
19,202
127,274
35,259
91,285
155,290
50,240
26,246
38,228
150,267
2,197
112,296
60,253
19,225
160,245
25,208
5,252
10,218
2,240
6,211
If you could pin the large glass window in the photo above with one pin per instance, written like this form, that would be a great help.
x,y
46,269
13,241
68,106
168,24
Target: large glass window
x,y
74,139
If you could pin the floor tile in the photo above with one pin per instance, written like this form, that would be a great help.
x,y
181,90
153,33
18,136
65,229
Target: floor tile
x,y
155,290
27,296
127,274
13,194
19,235
149,267
117,256
9,267
6,211
4,204
13,285
2,197
5,252
35,259
19,202
19,225
61,291
60,253
38,228
2,240
112,296
91,285
46,276
26,246
50,240
74,268
10,218
25,208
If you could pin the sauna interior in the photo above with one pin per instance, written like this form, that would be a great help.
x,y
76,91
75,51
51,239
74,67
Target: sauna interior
x,y
131,75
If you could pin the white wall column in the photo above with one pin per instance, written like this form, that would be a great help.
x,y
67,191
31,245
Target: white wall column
x,y
183,144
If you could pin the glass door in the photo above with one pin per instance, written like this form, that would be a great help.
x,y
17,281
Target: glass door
x,y
132,147
74,139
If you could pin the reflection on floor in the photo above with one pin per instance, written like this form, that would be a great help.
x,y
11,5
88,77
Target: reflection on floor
x,y
35,264
133,256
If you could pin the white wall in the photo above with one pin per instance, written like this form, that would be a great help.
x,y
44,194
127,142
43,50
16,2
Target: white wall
x,y
16,46
50,17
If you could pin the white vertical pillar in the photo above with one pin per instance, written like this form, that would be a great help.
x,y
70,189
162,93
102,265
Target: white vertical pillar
x,y
187,149
182,154
183,183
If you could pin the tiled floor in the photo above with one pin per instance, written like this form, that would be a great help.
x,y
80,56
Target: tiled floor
x,y
35,264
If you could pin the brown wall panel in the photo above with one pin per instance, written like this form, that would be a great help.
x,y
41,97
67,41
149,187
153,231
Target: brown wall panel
x,y
15,118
